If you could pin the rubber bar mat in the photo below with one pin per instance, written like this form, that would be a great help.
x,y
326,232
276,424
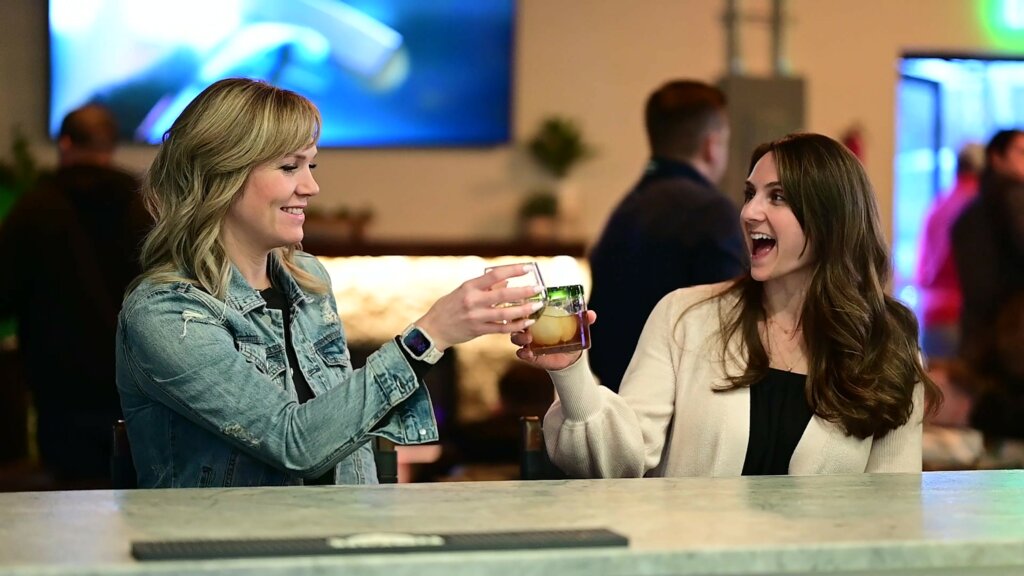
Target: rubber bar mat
x,y
373,543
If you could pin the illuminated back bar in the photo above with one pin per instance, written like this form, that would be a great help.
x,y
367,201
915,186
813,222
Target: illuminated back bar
x,y
382,287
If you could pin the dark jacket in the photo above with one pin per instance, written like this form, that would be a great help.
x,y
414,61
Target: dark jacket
x,y
70,247
674,229
988,249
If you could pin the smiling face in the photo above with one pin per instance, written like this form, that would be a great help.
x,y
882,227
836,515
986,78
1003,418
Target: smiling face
x,y
270,211
778,246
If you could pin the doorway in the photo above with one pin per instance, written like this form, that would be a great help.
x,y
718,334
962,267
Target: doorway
x,y
943,103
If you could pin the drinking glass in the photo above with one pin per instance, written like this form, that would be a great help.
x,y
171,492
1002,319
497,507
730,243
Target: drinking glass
x,y
530,277
562,325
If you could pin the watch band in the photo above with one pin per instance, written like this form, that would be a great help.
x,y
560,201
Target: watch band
x,y
419,344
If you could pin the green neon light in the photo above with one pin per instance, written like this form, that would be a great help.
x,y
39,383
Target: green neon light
x,y
1003,23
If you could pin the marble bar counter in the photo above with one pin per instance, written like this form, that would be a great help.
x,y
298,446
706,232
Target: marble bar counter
x,y
932,523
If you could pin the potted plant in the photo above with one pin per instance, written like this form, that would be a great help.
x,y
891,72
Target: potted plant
x,y
538,216
557,147
17,174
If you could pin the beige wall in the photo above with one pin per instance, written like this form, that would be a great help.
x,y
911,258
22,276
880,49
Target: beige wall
x,y
594,60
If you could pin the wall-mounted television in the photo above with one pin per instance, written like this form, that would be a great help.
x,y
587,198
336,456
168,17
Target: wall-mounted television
x,y
384,73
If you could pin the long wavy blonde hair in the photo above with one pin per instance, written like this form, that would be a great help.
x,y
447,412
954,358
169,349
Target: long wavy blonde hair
x,y
206,157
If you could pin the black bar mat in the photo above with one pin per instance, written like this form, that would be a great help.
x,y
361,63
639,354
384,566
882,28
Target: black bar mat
x,y
373,543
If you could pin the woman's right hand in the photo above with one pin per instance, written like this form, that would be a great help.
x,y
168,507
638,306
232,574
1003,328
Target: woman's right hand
x,y
547,361
473,309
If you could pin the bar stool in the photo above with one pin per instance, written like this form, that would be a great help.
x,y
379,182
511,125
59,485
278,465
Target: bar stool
x,y
533,456
122,467
386,459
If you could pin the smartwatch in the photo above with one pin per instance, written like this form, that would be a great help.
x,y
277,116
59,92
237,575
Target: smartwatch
x,y
420,345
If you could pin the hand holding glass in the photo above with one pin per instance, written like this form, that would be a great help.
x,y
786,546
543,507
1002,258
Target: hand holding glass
x,y
529,278
562,325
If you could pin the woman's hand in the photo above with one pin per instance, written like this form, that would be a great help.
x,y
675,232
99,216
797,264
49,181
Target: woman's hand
x,y
547,361
473,309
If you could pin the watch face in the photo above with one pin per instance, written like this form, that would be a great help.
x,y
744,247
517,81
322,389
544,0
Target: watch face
x,y
417,342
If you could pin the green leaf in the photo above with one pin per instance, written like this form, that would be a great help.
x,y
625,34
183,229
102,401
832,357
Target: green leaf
x,y
539,203
558,145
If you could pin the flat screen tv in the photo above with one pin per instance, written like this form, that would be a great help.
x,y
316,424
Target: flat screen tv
x,y
384,73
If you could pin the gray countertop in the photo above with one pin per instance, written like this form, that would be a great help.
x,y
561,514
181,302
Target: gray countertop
x,y
932,523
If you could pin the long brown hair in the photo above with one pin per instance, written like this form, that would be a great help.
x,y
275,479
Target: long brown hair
x,y
863,357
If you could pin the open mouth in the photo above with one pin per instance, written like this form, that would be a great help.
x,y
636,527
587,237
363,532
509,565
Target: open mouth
x,y
761,244
293,210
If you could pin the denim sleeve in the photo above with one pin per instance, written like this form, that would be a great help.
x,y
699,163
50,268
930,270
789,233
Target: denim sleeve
x,y
177,350
412,421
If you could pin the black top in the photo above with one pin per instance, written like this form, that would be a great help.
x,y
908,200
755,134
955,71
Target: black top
x,y
276,301
779,414
672,230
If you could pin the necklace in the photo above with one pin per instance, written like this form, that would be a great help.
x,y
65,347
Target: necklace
x,y
789,333
784,347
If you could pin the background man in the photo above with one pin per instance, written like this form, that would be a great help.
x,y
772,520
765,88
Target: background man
x,y
988,248
673,229
70,247
936,271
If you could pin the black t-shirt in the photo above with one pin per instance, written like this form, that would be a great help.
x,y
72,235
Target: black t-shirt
x,y
779,414
276,301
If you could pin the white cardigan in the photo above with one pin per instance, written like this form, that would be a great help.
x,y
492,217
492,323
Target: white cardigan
x,y
667,421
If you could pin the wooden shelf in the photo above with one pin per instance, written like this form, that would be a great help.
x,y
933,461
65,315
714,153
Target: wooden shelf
x,y
336,246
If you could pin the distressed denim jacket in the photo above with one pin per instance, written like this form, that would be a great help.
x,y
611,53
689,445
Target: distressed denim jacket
x,y
207,391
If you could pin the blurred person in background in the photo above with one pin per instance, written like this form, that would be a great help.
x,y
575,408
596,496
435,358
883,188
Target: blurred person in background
x,y
988,244
71,248
672,230
937,282
988,247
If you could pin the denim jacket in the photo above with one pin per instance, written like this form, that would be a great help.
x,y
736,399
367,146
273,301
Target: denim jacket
x,y
208,397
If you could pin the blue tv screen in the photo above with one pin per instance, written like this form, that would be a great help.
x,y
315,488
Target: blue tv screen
x,y
384,73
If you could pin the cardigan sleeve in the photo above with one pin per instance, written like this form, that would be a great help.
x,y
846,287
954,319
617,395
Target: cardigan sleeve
x,y
900,449
591,431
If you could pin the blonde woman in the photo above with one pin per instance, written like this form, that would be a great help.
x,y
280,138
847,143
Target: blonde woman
x,y
232,364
